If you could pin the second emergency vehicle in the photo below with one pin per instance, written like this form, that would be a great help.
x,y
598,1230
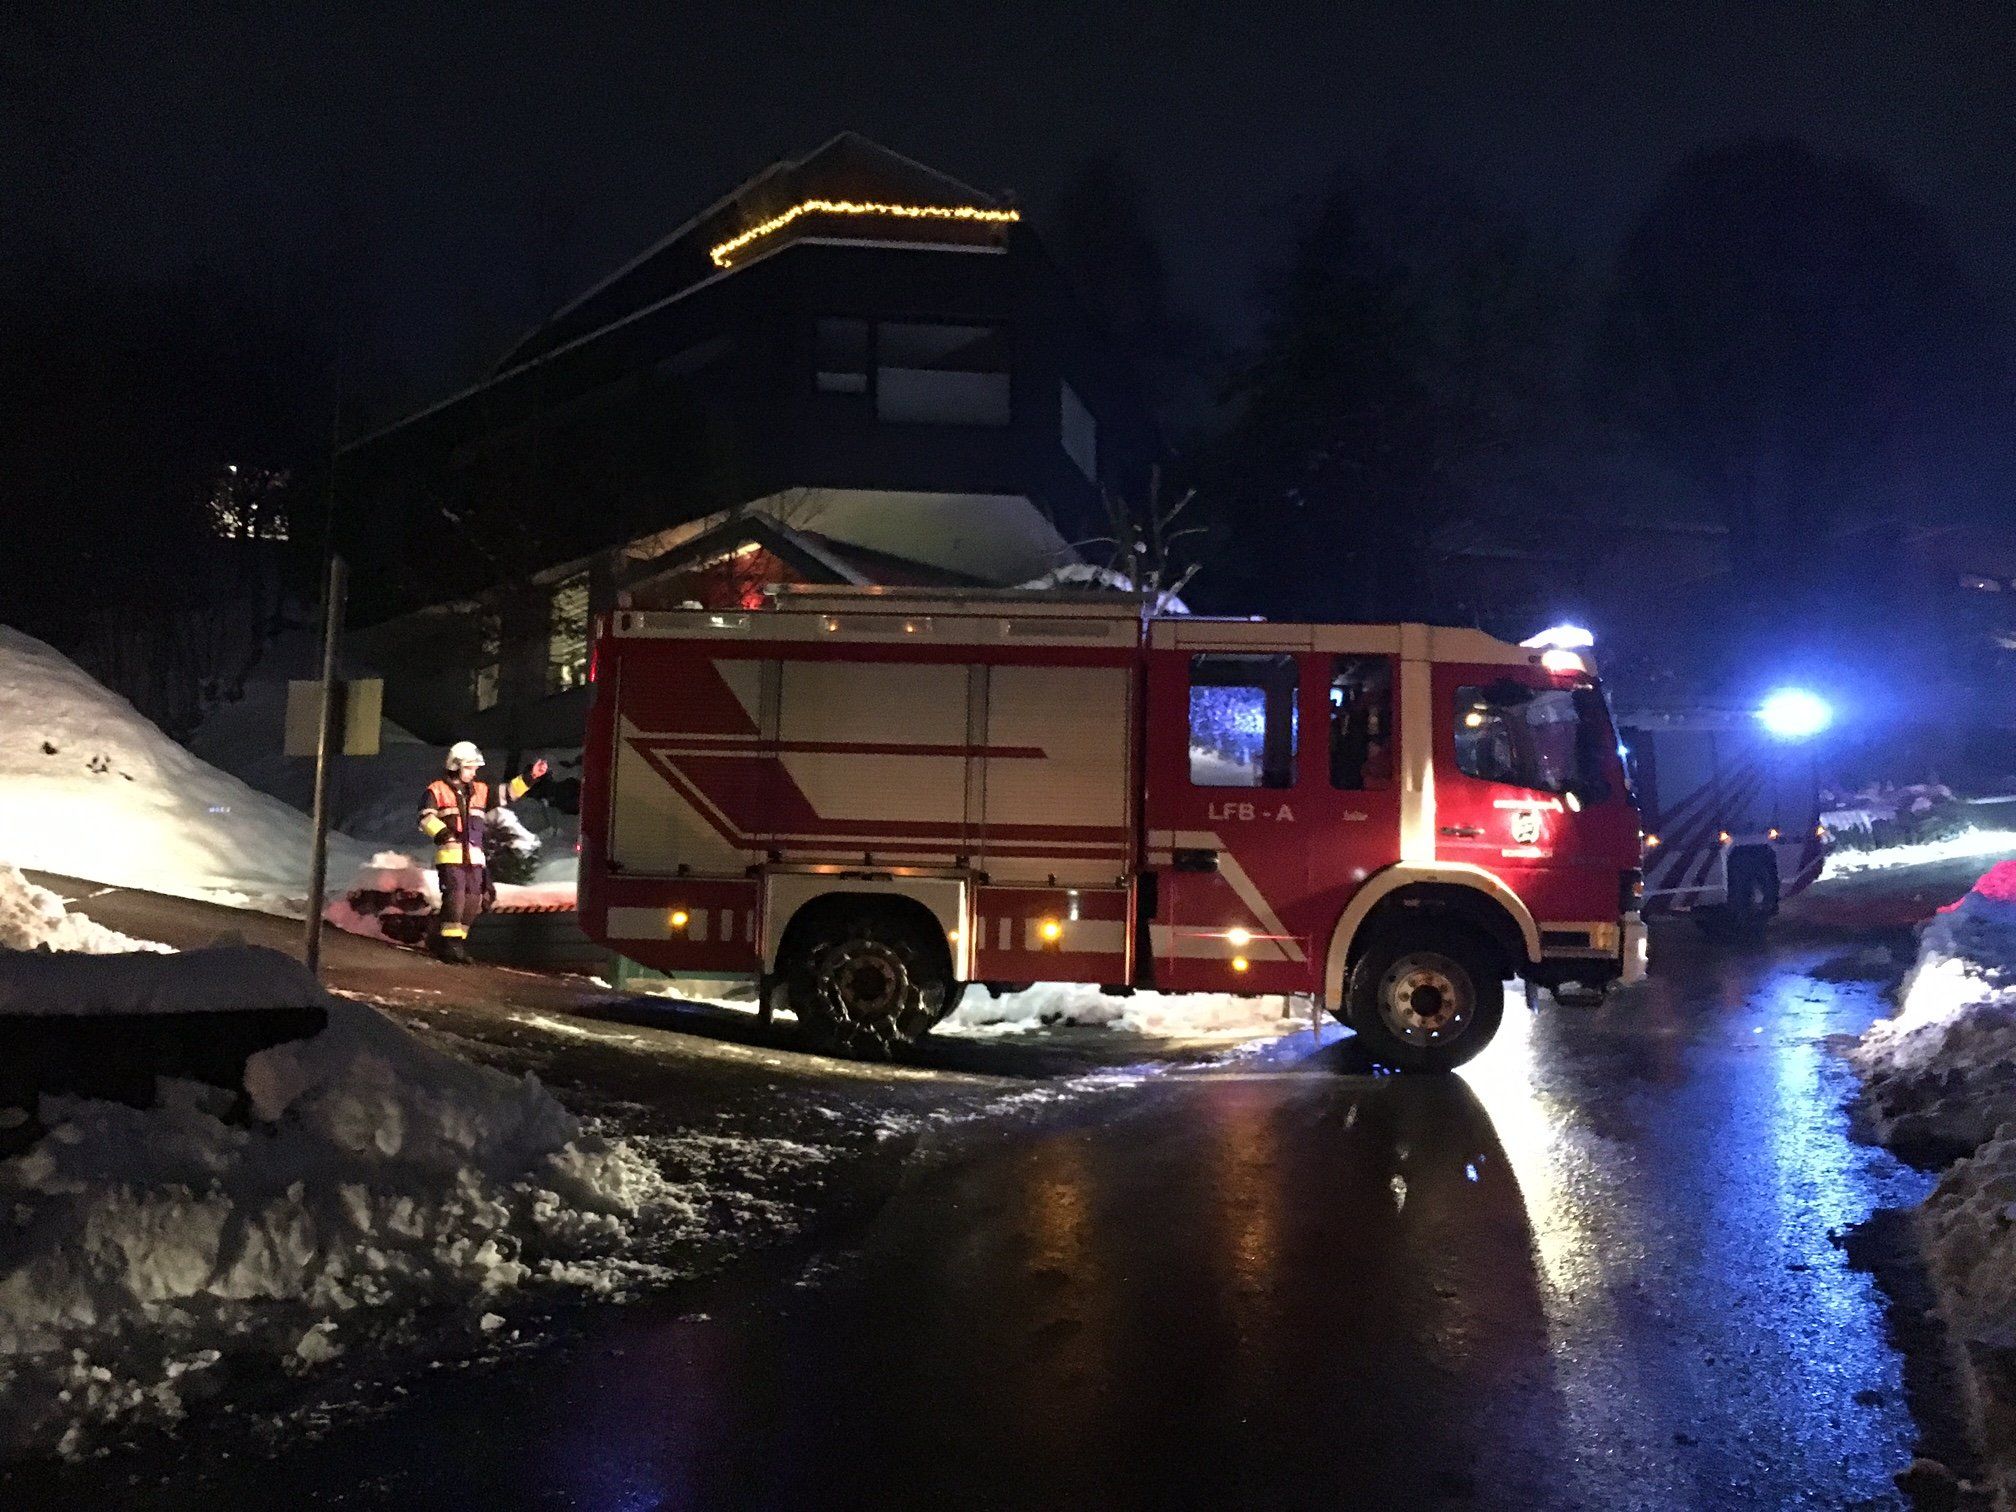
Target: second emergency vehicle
x,y
1731,812
870,799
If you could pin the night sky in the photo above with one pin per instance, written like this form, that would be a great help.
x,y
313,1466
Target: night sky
x,y
447,176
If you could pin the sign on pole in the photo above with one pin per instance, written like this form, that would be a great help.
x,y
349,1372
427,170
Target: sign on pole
x,y
361,701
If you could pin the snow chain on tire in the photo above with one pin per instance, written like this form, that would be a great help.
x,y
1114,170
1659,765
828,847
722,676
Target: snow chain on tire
x,y
869,990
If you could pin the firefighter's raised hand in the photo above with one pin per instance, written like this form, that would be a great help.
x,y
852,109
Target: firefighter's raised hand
x,y
537,770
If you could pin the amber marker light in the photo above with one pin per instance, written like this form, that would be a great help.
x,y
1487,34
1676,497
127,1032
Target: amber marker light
x,y
1051,931
679,918
1240,963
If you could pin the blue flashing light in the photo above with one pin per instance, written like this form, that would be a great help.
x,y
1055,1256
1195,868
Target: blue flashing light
x,y
1560,638
1795,714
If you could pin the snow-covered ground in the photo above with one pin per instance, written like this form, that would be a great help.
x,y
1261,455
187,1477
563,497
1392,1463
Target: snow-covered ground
x,y
1162,1014
90,788
1050,1005
144,1250
1975,842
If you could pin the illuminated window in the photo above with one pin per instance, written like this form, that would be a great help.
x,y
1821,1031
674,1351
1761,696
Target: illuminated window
x,y
1080,433
941,374
567,635
1243,723
841,355
1361,723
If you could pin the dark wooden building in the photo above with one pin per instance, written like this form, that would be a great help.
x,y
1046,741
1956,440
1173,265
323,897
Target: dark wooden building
x,y
852,368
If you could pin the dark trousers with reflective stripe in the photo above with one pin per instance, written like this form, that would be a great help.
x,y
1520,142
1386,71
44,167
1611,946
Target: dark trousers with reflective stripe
x,y
462,890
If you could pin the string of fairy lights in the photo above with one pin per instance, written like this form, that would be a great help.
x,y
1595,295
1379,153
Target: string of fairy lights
x,y
724,253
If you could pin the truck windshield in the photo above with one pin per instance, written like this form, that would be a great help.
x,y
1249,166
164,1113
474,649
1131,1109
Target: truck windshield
x,y
1549,739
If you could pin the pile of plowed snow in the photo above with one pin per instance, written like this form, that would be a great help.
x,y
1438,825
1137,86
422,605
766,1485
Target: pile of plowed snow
x,y
1941,1073
354,1177
1171,1015
90,788
1939,1080
34,918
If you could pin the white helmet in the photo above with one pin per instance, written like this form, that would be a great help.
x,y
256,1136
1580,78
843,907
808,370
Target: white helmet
x,y
464,750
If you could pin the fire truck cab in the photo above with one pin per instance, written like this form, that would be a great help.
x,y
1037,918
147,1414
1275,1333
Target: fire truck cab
x,y
869,799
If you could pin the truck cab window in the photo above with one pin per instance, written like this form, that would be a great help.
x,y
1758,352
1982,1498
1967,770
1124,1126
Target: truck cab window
x,y
1548,740
1361,723
1243,721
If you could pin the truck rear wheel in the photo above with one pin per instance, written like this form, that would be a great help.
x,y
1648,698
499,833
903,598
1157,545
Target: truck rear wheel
x,y
1425,999
863,981
1752,900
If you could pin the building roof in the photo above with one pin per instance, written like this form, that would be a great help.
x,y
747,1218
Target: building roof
x,y
848,170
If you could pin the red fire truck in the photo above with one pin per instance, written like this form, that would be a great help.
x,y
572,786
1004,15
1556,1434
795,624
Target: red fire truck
x,y
871,798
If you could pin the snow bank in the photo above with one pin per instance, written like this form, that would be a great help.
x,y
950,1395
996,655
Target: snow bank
x,y
34,918
139,1248
1940,1078
1166,1014
1969,1229
90,788
1941,1073
1961,847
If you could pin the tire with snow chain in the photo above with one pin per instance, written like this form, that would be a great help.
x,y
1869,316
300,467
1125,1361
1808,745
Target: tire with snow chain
x,y
863,981
1424,998
1752,901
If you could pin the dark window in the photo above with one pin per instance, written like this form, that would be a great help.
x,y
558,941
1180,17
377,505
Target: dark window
x,y
1361,723
941,374
1547,739
841,356
1243,723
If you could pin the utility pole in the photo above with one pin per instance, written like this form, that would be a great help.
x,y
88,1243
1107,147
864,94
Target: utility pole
x,y
327,750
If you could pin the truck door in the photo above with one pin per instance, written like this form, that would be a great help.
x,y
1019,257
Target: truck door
x,y
1225,769
1271,796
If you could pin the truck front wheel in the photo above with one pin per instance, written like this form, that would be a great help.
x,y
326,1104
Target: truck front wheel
x,y
864,981
1424,999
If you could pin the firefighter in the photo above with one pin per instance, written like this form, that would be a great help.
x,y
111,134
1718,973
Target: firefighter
x,y
454,813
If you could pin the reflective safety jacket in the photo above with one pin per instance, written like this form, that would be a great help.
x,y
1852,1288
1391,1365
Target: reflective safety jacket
x,y
454,815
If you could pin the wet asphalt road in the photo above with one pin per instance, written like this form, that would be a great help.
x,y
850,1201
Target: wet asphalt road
x,y
1598,1270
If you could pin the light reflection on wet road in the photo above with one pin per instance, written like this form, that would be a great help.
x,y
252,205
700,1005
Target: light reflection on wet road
x,y
1595,1271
